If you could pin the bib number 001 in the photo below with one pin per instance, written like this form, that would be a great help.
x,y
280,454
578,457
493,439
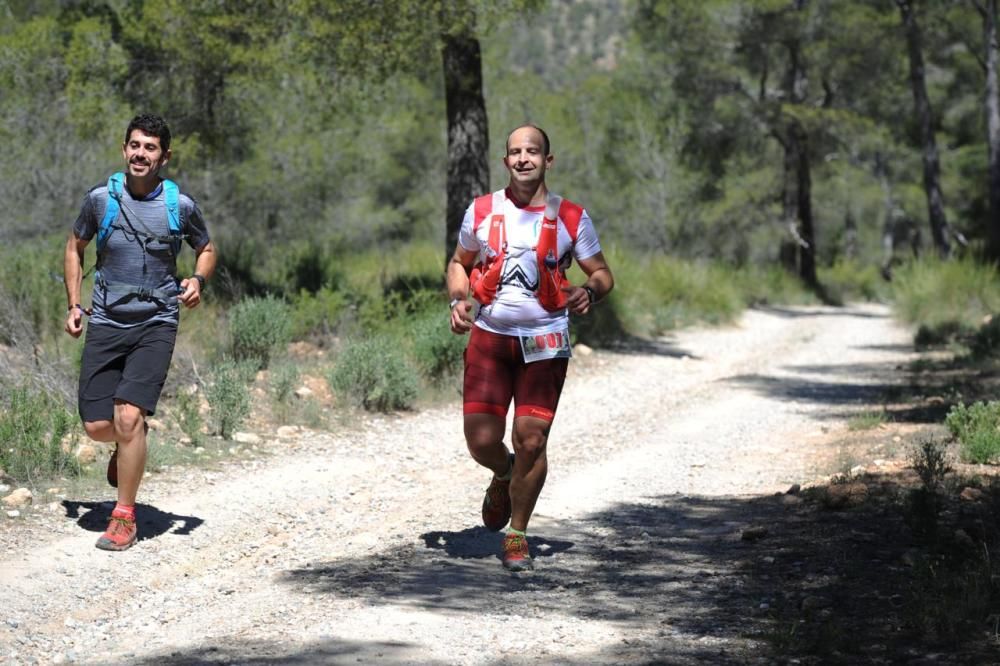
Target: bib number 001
x,y
546,346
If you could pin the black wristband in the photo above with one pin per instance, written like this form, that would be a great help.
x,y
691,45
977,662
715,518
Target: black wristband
x,y
201,281
591,295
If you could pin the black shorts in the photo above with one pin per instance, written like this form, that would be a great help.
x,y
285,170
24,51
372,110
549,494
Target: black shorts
x,y
128,364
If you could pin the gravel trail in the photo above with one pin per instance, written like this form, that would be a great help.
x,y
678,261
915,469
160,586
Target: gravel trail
x,y
363,545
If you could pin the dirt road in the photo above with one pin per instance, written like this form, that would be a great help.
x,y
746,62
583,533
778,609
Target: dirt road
x,y
363,545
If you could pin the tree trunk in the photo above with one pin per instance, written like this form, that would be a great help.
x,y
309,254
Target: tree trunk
x,y
850,248
992,127
806,230
932,169
468,138
797,196
788,252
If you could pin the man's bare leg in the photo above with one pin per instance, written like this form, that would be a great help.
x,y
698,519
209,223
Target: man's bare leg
x,y
484,437
131,438
530,468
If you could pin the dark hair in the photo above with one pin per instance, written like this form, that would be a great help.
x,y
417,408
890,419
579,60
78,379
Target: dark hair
x,y
151,125
545,137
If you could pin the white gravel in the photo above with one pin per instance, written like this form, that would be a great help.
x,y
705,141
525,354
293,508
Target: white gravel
x,y
363,545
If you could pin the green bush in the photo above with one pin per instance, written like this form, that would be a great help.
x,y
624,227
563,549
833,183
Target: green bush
x,y
317,313
32,295
258,327
436,351
851,281
392,313
654,293
32,426
977,428
373,374
940,333
953,295
228,395
283,378
189,416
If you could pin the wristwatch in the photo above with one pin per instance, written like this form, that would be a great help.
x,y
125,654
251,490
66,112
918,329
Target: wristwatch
x,y
591,296
454,302
201,281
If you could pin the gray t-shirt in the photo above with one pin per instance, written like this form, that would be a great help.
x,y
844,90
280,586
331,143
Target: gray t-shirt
x,y
129,261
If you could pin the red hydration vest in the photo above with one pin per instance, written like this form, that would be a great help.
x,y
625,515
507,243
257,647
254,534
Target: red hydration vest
x,y
485,276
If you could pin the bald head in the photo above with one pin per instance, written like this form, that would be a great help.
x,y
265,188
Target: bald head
x,y
542,137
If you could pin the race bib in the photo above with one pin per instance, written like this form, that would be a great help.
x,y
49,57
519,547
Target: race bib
x,y
545,346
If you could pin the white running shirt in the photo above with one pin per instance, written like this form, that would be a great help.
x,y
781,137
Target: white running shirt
x,y
516,310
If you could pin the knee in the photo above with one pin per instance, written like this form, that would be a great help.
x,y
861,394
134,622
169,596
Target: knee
x,y
99,431
128,421
481,445
482,433
529,443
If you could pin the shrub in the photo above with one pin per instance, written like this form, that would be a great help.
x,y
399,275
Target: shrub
x,y
986,341
373,374
317,313
866,421
929,462
941,333
189,416
977,428
257,328
31,293
654,294
228,395
848,280
283,378
935,293
32,426
436,351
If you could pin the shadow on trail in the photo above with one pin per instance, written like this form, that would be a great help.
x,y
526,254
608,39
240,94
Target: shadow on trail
x,y
335,651
827,393
800,313
677,579
640,346
478,543
919,400
94,516
252,652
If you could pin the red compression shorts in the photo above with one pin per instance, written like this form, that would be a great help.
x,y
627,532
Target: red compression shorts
x,y
495,372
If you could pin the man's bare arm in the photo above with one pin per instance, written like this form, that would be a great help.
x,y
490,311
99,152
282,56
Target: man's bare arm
x,y
73,279
599,280
204,265
457,279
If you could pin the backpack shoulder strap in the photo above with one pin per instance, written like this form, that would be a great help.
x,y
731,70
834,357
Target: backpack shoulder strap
x,y
570,214
171,195
116,184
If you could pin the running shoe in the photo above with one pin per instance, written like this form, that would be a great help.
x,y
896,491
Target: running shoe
x,y
113,468
515,553
496,503
120,535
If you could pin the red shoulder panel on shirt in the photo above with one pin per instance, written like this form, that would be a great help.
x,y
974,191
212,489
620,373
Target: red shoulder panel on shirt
x,y
570,214
481,209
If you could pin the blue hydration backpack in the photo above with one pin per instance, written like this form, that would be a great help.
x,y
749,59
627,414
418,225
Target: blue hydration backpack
x,y
171,194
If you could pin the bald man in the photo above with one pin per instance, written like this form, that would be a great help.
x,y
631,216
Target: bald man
x,y
508,287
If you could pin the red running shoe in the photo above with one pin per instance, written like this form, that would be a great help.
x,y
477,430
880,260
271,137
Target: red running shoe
x,y
496,504
515,553
120,535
